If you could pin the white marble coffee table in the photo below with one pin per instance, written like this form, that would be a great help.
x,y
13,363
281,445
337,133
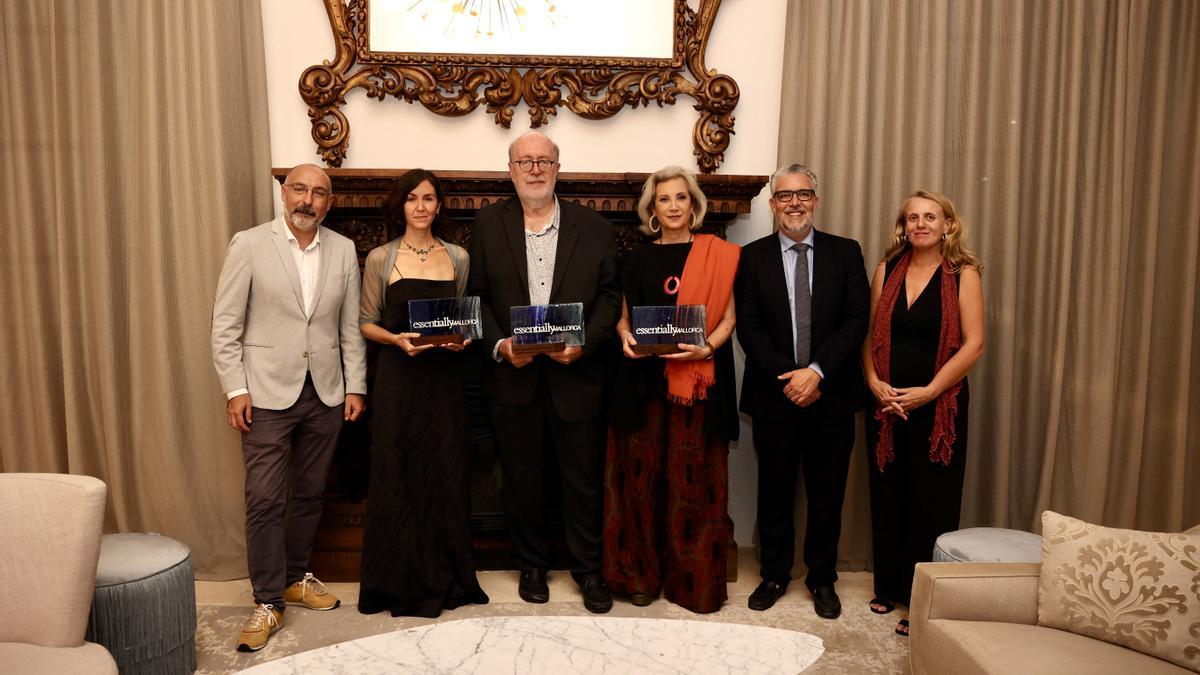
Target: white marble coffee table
x,y
562,645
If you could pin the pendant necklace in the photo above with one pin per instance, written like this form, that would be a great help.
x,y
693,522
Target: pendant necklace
x,y
421,253
691,237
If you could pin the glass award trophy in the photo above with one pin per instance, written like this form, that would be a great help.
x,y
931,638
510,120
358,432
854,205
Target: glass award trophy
x,y
659,329
443,321
537,329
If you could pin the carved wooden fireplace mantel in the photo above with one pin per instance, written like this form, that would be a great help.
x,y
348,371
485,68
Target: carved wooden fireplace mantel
x,y
357,212
359,195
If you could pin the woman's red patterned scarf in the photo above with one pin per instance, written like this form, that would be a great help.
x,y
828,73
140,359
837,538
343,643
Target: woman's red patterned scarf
x,y
941,441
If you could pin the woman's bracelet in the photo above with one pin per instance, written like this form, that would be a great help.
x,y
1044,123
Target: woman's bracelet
x,y
712,351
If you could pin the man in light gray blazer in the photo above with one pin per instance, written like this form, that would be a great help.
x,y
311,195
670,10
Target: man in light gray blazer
x,y
292,363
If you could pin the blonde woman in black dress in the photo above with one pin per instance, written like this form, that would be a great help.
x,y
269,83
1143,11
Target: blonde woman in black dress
x,y
926,333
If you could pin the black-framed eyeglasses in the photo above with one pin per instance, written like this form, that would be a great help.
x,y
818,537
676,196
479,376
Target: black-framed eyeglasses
x,y
300,189
786,196
526,165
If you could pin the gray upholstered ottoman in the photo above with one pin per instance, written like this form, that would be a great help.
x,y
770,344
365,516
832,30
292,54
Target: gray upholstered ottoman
x,y
988,544
144,610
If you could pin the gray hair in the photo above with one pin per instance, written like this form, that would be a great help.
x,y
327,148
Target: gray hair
x,y
792,169
699,201
518,139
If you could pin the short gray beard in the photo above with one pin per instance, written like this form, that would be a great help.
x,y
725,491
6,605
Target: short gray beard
x,y
305,222
803,230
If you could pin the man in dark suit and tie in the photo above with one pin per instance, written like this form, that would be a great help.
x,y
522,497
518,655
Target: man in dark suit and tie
x,y
802,302
536,250
292,363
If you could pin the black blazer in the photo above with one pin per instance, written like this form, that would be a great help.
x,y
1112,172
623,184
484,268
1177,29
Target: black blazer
x,y
585,271
841,304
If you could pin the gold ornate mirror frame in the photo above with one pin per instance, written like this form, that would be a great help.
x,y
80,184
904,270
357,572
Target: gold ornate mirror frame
x,y
457,84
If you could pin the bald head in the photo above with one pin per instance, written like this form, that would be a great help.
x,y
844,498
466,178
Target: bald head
x,y
309,174
306,192
535,182
531,141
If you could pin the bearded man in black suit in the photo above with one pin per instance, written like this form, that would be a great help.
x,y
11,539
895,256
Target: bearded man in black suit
x,y
534,250
802,301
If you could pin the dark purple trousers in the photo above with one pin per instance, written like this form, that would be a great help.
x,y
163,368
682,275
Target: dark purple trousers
x,y
287,453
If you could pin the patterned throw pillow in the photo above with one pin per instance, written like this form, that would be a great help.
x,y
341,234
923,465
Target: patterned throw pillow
x,y
1140,590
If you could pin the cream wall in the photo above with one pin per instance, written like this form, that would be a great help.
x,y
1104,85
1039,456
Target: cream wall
x,y
747,44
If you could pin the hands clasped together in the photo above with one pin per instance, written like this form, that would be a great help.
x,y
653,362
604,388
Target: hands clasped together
x,y
900,401
803,386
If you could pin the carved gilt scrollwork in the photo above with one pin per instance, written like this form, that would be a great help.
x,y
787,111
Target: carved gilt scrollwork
x,y
456,85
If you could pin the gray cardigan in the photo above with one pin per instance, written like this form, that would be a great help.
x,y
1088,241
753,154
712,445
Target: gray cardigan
x,y
379,268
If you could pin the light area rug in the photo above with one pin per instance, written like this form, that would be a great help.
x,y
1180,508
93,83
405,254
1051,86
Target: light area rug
x,y
857,642
583,645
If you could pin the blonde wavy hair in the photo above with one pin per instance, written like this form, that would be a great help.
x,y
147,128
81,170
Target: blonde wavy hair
x,y
645,207
954,248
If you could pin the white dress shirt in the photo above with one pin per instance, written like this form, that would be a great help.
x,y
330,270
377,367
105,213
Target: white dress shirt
x,y
541,249
308,264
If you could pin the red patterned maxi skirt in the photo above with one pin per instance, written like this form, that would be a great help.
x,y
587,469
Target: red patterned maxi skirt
x,y
666,529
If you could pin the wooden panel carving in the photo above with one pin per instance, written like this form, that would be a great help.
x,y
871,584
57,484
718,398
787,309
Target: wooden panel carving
x,y
457,84
358,196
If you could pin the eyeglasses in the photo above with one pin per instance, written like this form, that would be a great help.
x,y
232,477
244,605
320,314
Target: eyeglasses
x,y
526,165
300,189
785,196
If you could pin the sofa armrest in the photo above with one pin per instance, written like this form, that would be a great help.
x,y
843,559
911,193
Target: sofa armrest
x,y
50,526
969,591
975,591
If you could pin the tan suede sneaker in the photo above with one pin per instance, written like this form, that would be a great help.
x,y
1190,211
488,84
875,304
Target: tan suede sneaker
x,y
311,593
259,628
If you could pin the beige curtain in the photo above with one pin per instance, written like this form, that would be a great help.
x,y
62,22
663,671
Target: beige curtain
x,y
134,142
1068,134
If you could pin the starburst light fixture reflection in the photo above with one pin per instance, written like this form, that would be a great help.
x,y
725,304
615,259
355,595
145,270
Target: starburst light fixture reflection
x,y
484,18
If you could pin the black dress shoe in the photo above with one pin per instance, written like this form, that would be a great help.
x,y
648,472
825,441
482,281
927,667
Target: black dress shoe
x,y
596,597
827,603
532,587
764,597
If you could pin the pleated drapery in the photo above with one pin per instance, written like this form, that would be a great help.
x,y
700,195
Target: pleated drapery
x,y
135,142
1068,134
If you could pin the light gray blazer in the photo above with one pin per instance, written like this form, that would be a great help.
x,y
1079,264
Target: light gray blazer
x,y
261,339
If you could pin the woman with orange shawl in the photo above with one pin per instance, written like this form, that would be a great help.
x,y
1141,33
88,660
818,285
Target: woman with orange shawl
x,y
926,333
666,479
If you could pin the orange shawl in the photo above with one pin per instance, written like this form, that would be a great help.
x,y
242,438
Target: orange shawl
x,y
707,280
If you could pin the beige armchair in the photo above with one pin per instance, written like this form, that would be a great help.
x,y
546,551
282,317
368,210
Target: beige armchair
x,y
50,527
976,617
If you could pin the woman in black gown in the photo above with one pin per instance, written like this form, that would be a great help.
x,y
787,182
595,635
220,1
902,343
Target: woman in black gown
x,y
417,557
926,333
